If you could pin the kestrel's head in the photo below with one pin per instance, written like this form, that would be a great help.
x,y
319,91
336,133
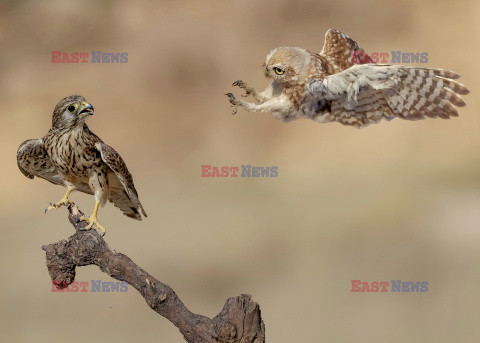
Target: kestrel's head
x,y
287,65
71,112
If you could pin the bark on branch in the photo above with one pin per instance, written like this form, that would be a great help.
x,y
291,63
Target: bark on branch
x,y
239,321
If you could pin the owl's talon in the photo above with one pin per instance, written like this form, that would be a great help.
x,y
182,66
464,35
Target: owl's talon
x,y
232,99
238,83
243,85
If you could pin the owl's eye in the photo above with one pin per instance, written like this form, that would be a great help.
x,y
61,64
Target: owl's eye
x,y
278,71
71,108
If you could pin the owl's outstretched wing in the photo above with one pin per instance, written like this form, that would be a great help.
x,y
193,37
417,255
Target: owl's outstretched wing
x,y
342,52
122,190
33,160
365,94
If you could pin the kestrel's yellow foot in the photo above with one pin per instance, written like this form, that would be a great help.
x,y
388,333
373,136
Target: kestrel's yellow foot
x,y
92,220
58,205
63,202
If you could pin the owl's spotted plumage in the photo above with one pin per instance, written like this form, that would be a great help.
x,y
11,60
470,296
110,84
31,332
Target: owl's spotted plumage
x,y
73,156
342,84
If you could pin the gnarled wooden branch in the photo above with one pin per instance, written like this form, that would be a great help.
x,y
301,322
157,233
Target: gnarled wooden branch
x,y
239,321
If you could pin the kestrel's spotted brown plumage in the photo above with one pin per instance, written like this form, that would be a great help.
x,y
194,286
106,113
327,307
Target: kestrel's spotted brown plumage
x,y
71,155
342,84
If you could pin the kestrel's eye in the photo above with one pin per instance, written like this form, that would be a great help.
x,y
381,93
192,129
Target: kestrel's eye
x,y
71,108
279,71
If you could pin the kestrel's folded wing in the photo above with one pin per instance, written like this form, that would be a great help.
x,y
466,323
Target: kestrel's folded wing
x,y
33,160
122,190
365,94
342,52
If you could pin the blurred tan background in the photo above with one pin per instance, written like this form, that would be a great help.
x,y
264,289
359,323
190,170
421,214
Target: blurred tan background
x,y
399,200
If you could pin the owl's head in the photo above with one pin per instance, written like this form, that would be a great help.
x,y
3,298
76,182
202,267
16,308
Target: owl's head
x,y
71,112
287,65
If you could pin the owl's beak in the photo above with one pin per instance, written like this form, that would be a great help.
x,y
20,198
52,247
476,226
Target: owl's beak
x,y
266,73
85,109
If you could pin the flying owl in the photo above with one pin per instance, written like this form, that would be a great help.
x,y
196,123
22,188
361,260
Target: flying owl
x,y
342,84
73,156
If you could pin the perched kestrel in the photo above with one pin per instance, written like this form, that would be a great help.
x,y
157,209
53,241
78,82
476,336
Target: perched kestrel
x,y
342,84
73,156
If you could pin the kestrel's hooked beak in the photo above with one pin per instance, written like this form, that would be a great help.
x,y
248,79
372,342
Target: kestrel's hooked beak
x,y
85,109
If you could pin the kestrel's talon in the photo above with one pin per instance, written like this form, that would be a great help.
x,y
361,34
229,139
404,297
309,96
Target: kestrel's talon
x,y
58,205
89,226
92,220
63,202
101,228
